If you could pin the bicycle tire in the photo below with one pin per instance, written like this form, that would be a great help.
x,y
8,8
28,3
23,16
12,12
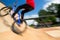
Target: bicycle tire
x,y
16,30
2,15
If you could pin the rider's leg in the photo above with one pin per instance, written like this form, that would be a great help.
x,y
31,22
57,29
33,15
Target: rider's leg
x,y
20,20
18,8
27,9
24,6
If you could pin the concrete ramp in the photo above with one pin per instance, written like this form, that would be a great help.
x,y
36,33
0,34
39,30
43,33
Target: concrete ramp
x,y
54,33
2,25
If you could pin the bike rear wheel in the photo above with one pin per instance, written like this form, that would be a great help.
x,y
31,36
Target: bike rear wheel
x,y
4,11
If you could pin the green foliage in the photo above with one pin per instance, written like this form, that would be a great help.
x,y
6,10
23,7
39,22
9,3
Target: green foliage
x,y
31,25
55,8
51,10
37,20
50,19
42,12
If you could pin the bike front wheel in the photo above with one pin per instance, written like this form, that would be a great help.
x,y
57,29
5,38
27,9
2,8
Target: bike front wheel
x,y
19,29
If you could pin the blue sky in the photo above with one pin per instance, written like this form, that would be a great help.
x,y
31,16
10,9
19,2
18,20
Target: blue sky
x,y
39,4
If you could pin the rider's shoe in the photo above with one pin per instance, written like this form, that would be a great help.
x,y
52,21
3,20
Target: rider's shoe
x,y
19,21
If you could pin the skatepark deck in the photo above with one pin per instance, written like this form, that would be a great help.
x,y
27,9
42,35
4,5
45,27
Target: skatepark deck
x,y
6,33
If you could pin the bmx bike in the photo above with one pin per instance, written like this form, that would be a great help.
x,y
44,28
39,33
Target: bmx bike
x,y
14,27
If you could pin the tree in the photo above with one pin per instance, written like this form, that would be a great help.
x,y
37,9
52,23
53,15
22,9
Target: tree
x,y
55,9
42,12
51,10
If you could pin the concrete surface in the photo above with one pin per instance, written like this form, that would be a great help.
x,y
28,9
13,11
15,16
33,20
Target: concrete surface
x,y
30,34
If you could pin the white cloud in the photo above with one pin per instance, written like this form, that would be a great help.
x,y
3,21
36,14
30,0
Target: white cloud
x,y
48,2
29,22
31,16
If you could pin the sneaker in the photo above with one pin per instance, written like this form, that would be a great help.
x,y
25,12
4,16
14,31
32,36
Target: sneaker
x,y
19,21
